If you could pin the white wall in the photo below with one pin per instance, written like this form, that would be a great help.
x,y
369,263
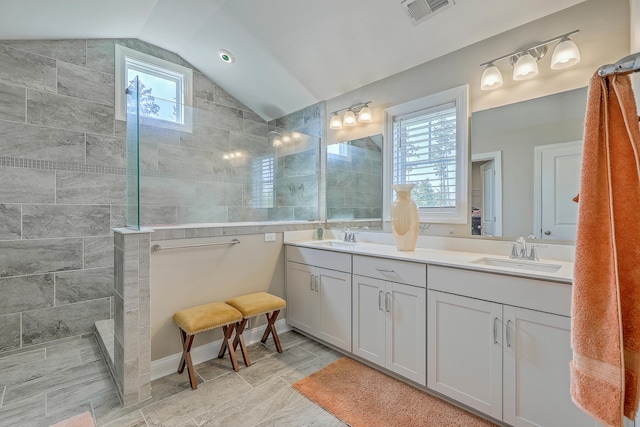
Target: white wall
x,y
188,277
603,38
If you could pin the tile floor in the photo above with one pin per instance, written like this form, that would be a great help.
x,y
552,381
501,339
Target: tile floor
x,y
43,386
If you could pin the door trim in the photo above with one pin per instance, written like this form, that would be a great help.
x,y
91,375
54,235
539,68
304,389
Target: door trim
x,y
496,156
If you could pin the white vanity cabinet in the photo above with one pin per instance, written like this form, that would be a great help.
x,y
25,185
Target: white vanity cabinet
x,y
389,315
319,294
501,345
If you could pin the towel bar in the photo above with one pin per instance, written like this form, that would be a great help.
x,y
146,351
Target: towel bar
x,y
157,247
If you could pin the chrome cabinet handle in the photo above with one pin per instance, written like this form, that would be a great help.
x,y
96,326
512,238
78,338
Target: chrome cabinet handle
x,y
382,270
316,283
380,294
311,280
386,302
508,334
495,330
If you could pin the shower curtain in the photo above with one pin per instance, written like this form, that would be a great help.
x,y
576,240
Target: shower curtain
x,y
605,334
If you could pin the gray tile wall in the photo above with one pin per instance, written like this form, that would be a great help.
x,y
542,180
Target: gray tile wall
x,y
62,180
354,181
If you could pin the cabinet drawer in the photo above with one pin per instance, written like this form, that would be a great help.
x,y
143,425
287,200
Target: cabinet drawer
x,y
320,258
392,270
535,294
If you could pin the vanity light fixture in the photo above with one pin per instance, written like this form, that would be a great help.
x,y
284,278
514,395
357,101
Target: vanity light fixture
x,y
525,61
279,139
233,154
357,113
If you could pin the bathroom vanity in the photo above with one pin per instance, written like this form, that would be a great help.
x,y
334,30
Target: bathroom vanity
x,y
485,331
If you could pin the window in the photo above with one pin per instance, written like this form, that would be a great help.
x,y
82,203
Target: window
x,y
263,173
429,148
164,92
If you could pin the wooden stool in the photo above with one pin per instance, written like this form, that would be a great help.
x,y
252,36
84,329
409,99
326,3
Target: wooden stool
x,y
203,318
254,305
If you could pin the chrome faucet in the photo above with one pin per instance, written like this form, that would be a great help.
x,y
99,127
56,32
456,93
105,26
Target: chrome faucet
x,y
521,252
349,236
523,246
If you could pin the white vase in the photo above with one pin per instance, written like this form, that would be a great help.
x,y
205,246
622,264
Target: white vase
x,y
405,220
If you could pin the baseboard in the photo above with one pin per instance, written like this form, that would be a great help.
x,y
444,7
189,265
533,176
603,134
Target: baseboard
x,y
169,365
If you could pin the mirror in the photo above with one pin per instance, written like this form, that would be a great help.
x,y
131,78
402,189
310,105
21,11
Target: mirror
x,y
354,180
515,141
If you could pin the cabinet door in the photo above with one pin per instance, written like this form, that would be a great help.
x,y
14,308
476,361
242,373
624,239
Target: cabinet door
x,y
537,351
465,350
369,319
301,296
406,331
333,308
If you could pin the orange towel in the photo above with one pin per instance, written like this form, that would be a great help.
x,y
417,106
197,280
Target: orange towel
x,y
605,334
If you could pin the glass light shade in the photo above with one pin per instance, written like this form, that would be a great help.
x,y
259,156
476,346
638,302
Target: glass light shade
x,y
225,157
335,122
565,55
365,115
491,78
286,138
238,153
525,67
349,118
276,142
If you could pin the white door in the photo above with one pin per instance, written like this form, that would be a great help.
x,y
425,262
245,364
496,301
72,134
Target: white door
x,y
559,183
369,319
488,172
333,308
464,359
301,296
537,351
406,332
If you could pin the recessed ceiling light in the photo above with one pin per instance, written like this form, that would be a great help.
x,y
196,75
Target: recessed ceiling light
x,y
226,56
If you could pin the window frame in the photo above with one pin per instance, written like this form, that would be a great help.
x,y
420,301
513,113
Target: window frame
x,y
460,96
124,57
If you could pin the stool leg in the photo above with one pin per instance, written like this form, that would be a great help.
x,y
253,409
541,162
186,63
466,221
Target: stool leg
x,y
185,360
271,319
228,331
239,339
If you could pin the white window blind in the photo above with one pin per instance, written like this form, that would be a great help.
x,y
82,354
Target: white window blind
x,y
263,174
425,154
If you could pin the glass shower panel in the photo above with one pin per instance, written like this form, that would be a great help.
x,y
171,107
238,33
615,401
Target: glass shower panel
x,y
213,164
133,156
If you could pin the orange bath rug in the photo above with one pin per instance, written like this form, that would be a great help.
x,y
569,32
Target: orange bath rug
x,y
83,420
363,397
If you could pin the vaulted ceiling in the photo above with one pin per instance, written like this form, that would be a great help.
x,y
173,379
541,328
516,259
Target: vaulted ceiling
x,y
289,53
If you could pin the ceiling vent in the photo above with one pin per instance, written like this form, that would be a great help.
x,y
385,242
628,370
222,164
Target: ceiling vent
x,y
419,10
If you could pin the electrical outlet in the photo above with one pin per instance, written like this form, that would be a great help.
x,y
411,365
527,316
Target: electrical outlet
x,y
269,237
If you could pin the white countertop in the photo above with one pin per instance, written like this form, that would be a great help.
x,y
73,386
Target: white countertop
x,y
457,259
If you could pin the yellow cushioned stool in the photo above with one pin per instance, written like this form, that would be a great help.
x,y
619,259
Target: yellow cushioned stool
x,y
194,320
254,305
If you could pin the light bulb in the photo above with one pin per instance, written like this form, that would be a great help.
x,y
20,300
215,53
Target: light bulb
x,y
365,115
565,55
491,78
335,122
525,67
349,118
286,138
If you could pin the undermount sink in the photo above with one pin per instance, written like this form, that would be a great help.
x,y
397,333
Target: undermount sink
x,y
518,264
335,244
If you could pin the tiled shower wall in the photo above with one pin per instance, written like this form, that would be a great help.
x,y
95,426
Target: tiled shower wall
x,y
354,179
62,180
